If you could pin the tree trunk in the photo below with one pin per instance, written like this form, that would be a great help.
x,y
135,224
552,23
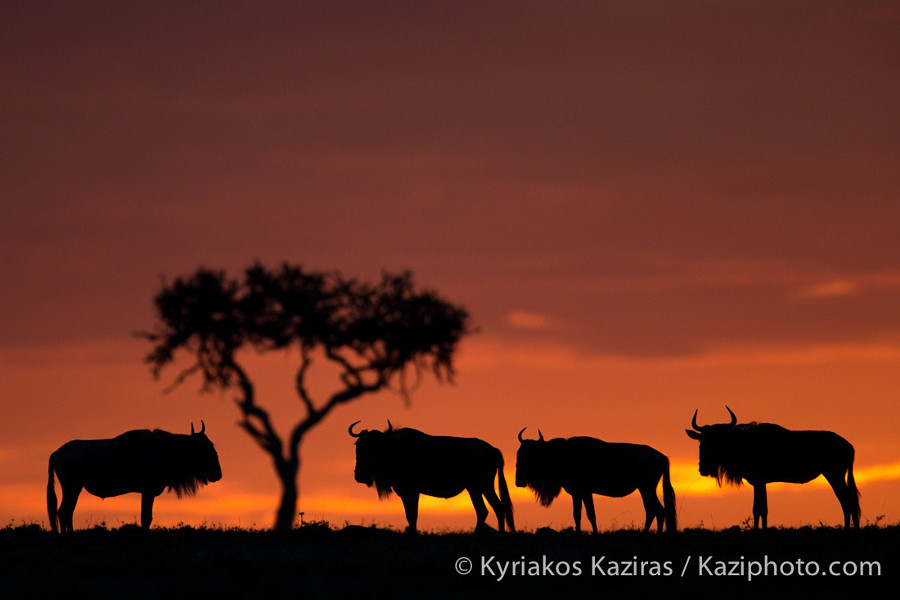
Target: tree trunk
x,y
287,508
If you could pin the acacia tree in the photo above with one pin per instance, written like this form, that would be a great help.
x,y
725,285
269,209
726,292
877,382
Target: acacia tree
x,y
375,334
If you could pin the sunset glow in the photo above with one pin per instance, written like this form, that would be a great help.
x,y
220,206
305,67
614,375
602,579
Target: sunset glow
x,y
648,208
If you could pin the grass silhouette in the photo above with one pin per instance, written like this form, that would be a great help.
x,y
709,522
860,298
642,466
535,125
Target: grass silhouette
x,y
320,561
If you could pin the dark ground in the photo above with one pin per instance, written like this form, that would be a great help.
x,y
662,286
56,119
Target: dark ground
x,y
317,561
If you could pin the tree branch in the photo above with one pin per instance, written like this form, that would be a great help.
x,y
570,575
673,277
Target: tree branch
x,y
353,375
182,377
336,400
256,420
350,371
300,380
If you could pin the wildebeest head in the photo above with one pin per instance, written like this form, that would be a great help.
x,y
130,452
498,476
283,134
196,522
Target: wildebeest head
x,y
538,466
372,458
717,451
198,460
204,456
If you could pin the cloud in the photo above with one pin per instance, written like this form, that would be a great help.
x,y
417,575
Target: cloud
x,y
831,289
846,286
520,319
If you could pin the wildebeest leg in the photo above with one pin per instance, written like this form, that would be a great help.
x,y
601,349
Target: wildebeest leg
x,y
576,512
481,511
653,508
147,509
70,493
589,510
495,503
411,507
760,506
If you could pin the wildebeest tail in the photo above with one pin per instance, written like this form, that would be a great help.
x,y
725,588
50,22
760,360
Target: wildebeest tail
x,y
854,493
51,498
504,497
669,500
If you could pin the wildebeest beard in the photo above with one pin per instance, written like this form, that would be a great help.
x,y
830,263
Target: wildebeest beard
x,y
546,491
179,468
384,489
723,474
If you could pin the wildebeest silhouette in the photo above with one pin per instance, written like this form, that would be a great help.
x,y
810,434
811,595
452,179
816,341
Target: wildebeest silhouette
x,y
584,466
142,461
763,453
410,463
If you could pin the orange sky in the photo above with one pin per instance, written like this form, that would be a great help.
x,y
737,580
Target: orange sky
x,y
647,208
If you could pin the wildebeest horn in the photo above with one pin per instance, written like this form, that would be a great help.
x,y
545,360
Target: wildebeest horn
x,y
390,427
350,429
694,421
733,418
520,434
202,426
540,436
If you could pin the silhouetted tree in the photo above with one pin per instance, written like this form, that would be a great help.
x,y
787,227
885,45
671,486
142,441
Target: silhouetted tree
x,y
376,334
